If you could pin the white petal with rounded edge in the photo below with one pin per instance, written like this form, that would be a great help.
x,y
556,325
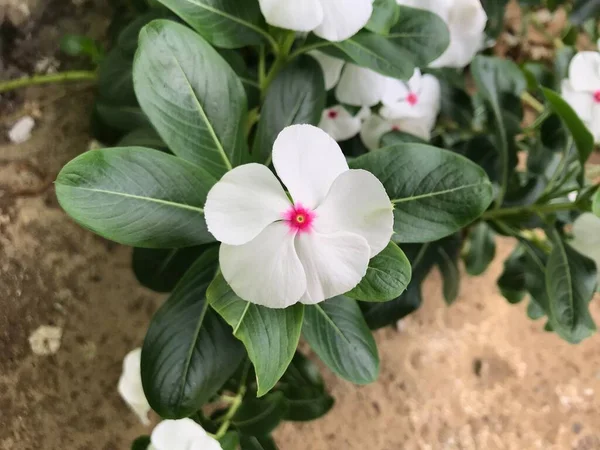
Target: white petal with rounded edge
x,y
359,204
243,203
183,434
395,91
307,161
584,72
331,66
334,263
372,130
581,102
341,127
360,87
343,18
428,92
265,271
295,15
130,385
414,83
586,237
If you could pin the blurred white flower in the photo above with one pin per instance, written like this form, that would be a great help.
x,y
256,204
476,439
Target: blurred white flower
x,y
313,245
338,123
586,237
466,20
333,20
419,98
376,126
130,385
183,434
582,90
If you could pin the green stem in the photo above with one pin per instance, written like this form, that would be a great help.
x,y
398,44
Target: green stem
x,y
530,100
235,403
281,58
47,79
308,48
534,209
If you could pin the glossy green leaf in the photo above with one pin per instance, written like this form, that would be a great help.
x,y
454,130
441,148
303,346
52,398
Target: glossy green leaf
x,y
161,269
270,335
387,276
482,249
230,441
260,416
384,17
193,98
137,196
296,96
562,60
448,254
495,10
596,203
141,443
512,282
122,117
400,137
188,352
115,79
338,333
257,443
570,284
223,23
584,9
584,141
143,137
435,192
418,38
534,310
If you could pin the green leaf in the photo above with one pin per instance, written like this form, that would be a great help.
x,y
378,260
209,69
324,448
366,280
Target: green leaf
x,y
400,137
584,141
338,333
596,203
143,137
270,335
304,391
230,441
76,45
534,310
482,249
257,443
141,443
188,352
260,416
570,284
387,276
435,192
385,15
418,38
223,23
584,9
115,80
137,196
161,269
296,96
448,255
495,10
192,96
562,60
122,117
512,282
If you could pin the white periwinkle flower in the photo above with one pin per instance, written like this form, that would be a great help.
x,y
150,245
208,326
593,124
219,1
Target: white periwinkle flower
x,y
376,126
419,98
338,123
333,20
466,20
276,251
130,385
582,90
586,237
183,434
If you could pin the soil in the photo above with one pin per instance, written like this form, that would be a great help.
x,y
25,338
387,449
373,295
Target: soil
x,y
477,375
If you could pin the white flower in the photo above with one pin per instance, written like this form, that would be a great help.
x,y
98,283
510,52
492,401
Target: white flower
x,y
582,90
333,20
417,99
276,251
130,385
183,434
586,237
338,123
376,126
466,20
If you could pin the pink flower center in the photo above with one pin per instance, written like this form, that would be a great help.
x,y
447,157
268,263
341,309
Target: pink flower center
x,y
412,99
299,218
332,114
395,128
597,96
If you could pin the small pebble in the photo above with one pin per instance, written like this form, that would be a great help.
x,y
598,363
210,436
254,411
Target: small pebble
x,y
45,340
21,131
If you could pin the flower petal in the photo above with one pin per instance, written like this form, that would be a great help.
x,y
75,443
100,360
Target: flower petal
x,y
130,385
372,130
183,434
334,263
307,160
581,102
586,237
243,203
343,18
359,204
295,15
584,71
332,67
265,271
339,123
360,87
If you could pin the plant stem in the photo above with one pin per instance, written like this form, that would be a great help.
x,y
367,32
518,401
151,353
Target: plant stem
x,y
539,209
235,402
308,48
47,79
530,100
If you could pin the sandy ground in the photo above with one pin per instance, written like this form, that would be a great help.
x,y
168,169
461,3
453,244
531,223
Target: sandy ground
x,y
478,375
